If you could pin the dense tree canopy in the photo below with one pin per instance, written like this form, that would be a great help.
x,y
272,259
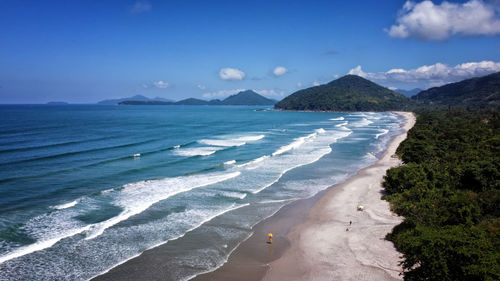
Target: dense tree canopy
x,y
448,193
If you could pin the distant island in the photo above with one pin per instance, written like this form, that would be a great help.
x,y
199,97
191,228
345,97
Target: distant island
x,y
247,97
134,98
57,103
348,93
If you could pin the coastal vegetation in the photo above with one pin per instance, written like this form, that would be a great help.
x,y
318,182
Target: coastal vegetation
x,y
448,193
348,93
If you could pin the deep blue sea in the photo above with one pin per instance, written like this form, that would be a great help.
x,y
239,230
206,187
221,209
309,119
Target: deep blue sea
x,y
85,187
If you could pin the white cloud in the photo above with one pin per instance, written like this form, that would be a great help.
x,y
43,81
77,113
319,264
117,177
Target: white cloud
x,y
160,84
316,83
201,87
433,75
357,71
279,70
141,6
428,21
299,84
231,74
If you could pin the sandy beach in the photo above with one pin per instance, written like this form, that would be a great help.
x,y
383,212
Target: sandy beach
x,y
314,239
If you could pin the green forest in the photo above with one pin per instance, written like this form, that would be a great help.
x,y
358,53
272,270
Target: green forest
x,y
448,193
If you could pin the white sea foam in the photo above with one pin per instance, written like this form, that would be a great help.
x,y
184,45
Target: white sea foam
x,y
226,143
177,146
363,122
370,156
232,194
251,138
197,151
255,161
66,205
384,132
295,144
210,217
136,197
321,153
40,245
342,124
337,119
231,162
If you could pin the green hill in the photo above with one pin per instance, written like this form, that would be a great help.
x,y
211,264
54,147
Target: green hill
x,y
476,92
348,93
248,97
192,101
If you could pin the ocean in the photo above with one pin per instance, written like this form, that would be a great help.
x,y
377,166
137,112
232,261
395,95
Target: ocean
x,y
84,188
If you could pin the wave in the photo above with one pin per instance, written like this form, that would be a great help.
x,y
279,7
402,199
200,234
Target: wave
x,y
363,122
222,142
298,142
71,153
255,161
29,148
197,151
233,194
66,205
291,168
136,197
233,207
251,138
337,119
342,124
384,132
231,162
37,246
239,141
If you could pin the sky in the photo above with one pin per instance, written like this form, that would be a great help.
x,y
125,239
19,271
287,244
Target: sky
x,y
86,51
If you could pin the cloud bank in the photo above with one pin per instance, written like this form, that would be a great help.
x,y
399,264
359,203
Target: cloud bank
x,y
427,21
231,74
279,70
141,7
433,75
160,84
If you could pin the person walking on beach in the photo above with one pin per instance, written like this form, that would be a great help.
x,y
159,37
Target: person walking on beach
x,y
270,236
350,222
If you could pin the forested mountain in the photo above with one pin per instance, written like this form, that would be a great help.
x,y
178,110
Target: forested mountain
x,y
476,92
348,93
248,97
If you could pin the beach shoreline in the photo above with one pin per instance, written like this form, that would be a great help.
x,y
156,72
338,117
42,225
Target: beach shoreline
x,y
314,238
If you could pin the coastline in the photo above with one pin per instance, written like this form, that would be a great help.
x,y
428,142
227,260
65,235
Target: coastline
x,y
311,241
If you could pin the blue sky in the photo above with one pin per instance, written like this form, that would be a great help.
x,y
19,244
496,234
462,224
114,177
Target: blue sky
x,y
86,51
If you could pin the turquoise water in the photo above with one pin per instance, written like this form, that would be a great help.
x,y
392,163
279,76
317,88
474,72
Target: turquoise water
x,y
84,188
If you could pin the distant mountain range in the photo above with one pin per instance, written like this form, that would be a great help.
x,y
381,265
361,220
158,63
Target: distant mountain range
x,y
248,97
348,93
476,92
134,98
408,93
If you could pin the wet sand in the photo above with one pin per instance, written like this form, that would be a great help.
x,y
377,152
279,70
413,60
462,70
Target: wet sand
x,y
311,237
